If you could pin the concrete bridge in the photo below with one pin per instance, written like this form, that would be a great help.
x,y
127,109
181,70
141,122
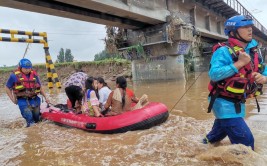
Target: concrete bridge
x,y
163,38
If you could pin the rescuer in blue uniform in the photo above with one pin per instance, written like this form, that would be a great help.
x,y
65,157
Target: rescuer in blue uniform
x,y
22,88
237,73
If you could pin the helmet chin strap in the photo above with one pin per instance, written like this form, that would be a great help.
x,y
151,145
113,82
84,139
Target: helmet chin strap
x,y
238,37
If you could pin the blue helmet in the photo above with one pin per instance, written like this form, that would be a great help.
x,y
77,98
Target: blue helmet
x,y
235,22
25,63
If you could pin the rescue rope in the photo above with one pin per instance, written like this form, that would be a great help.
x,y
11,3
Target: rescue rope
x,y
186,91
27,48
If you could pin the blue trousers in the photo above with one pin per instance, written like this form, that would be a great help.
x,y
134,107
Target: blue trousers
x,y
30,110
235,128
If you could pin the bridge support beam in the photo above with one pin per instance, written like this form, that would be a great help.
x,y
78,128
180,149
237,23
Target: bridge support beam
x,y
162,53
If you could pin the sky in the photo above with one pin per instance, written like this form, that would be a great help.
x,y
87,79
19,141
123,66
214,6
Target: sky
x,y
83,38
257,8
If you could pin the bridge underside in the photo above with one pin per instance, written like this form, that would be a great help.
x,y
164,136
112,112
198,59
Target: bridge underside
x,y
173,36
129,14
221,8
101,12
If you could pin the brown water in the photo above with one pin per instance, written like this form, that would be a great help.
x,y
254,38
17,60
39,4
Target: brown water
x,y
175,142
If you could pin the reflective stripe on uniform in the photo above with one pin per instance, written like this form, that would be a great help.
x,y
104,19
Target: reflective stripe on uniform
x,y
19,87
234,90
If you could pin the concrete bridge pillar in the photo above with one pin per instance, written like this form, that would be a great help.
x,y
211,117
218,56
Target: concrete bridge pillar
x,y
162,62
168,48
163,52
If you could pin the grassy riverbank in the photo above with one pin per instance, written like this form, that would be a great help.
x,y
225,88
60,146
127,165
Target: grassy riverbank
x,y
108,69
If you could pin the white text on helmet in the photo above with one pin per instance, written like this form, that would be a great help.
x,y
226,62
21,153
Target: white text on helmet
x,y
230,23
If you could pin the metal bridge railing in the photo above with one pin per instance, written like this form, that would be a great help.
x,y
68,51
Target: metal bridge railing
x,y
237,6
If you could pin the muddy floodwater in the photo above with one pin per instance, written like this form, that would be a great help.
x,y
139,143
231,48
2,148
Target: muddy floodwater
x,y
175,142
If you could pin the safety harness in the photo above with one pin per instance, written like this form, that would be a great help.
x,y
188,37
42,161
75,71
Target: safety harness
x,y
240,86
26,86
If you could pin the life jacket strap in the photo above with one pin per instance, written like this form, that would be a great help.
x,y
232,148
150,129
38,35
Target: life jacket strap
x,y
232,51
258,106
212,98
24,94
238,107
237,102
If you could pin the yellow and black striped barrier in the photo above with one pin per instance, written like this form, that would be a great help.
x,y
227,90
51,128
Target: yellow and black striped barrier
x,y
51,72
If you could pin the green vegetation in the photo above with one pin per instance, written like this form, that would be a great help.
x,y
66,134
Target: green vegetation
x,y
105,55
76,65
7,69
139,49
101,56
68,56
64,56
60,56
189,61
117,61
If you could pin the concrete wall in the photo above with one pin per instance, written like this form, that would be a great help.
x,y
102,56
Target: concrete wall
x,y
166,60
162,61
161,67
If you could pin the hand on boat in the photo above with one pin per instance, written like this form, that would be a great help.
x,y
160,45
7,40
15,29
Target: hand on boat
x,y
99,115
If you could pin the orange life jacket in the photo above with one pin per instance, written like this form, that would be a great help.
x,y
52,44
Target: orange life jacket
x,y
26,86
241,85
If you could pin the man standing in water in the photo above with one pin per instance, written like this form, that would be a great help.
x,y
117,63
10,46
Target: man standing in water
x,y
22,88
236,73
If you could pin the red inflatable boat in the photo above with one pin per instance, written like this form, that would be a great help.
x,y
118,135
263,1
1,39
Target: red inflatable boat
x,y
146,117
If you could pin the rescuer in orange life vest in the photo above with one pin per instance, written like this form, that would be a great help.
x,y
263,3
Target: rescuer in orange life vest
x,y
22,88
237,73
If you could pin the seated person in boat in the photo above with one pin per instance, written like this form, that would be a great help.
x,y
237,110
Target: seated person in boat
x,y
103,91
131,94
120,99
138,103
74,88
90,102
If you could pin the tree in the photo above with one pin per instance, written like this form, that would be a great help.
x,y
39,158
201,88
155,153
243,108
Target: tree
x,y
60,56
102,55
68,56
64,56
